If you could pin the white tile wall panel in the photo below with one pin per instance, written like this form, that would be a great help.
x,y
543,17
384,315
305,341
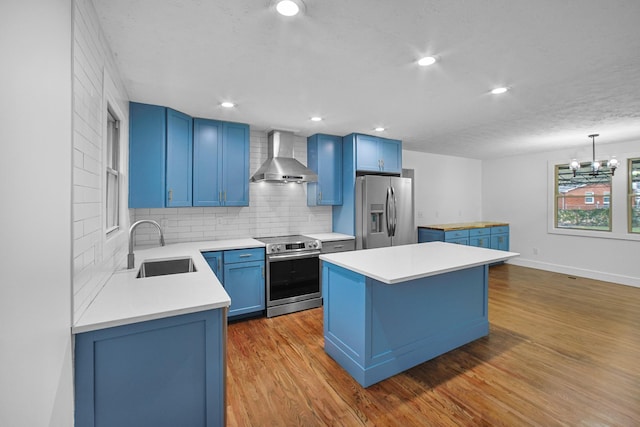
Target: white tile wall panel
x,y
95,256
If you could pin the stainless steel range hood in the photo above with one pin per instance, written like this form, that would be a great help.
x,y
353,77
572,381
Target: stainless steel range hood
x,y
280,165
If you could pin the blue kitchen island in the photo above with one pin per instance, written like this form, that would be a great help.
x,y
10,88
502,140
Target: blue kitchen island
x,y
389,309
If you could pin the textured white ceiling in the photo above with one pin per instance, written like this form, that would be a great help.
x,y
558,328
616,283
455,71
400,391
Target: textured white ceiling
x,y
573,67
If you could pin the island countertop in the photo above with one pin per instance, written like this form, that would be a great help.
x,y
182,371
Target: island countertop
x,y
398,264
125,299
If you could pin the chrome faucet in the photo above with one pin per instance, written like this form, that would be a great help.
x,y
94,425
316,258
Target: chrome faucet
x,y
130,257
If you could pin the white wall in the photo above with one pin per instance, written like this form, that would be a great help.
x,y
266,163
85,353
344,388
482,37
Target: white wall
x,y
274,209
96,80
447,189
516,190
35,251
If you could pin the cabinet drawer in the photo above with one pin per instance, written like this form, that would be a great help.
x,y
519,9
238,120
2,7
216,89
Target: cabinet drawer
x,y
455,234
500,230
338,246
243,255
479,232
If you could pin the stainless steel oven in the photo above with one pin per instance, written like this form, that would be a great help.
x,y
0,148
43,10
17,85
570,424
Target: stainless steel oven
x,y
293,274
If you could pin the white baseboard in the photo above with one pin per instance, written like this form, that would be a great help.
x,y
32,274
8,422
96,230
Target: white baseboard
x,y
590,274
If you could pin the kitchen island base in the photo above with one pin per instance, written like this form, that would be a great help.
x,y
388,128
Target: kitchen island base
x,y
375,330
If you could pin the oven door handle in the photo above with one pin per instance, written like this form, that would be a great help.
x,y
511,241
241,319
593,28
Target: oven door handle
x,y
285,257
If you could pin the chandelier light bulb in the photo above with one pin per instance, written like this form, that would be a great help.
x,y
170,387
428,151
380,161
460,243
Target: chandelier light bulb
x,y
613,163
574,164
287,8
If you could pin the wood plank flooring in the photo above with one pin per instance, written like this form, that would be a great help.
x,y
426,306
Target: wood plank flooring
x,y
561,351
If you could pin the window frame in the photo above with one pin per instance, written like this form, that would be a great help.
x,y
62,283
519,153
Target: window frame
x,y
589,198
633,196
113,166
114,104
618,200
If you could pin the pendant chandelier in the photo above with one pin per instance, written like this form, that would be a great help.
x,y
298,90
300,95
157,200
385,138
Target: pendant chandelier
x,y
597,169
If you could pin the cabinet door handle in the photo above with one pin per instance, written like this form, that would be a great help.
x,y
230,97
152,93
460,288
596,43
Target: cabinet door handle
x,y
339,246
382,161
246,255
225,196
170,194
320,196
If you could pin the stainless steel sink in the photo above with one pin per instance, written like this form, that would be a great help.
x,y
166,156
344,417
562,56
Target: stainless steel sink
x,y
165,267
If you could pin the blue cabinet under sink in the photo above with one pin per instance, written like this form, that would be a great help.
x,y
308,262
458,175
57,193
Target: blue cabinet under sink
x,y
163,373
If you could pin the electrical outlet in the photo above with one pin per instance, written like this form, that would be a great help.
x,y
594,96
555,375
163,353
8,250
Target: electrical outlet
x,y
535,251
420,214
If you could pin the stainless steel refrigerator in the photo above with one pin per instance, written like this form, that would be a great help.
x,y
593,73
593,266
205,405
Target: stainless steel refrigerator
x,y
384,212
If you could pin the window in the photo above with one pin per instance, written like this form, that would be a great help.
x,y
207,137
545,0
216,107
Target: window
x,y
588,198
634,196
113,174
582,201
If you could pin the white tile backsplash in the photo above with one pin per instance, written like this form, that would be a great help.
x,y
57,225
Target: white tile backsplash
x,y
274,210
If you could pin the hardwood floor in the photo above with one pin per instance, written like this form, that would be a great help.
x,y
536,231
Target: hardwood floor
x,y
561,351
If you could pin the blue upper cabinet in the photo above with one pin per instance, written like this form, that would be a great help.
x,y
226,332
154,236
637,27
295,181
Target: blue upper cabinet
x,y
207,166
147,155
235,164
176,161
324,157
375,154
221,163
179,159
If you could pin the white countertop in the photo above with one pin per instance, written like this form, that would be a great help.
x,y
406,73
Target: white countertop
x,y
330,237
124,299
398,264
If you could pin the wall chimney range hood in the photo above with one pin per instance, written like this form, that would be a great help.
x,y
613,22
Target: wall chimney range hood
x,y
280,165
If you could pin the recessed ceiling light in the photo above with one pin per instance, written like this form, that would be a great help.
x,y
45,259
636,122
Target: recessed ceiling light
x,y
499,90
288,7
379,129
316,119
228,104
427,60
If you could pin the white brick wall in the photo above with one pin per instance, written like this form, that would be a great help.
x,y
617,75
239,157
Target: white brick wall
x,y
273,210
94,256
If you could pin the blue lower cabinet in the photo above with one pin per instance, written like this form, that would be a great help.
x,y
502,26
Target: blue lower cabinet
x,y
215,260
244,280
492,237
162,373
500,238
241,272
480,237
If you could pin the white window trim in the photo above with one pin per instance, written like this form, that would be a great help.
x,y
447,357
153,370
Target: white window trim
x,y
589,198
618,203
110,101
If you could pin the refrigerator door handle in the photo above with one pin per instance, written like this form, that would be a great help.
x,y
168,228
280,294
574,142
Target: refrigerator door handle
x,y
388,212
395,212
